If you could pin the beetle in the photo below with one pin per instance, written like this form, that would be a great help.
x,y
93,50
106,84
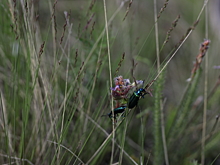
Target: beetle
x,y
116,111
133,100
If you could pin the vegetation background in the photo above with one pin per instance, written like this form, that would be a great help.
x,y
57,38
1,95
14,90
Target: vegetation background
x,y
57,66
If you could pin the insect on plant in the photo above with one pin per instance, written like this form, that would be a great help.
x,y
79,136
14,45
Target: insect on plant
x,y
120,95
138,94
133,100
116,111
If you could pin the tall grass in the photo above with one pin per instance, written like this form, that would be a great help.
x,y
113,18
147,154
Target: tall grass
x,y
57,67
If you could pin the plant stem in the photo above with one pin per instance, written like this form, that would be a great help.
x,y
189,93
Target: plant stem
x,y
110,79
205,94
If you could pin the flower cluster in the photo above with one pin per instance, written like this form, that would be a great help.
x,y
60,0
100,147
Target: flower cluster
x,y
121,90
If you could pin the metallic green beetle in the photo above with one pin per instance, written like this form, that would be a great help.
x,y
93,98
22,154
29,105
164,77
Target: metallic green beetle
x,y
116,111
133,100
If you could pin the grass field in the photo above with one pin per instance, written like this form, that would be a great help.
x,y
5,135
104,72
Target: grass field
x,y
59,61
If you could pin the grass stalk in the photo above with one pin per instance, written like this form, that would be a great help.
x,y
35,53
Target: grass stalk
x,y
103,144
7,131
156,18
17,159
157,147
67,44
107,140
110,78
163,134
54,86
67,150
161,117
184,108
66,82
64,107
180,44
156,36
92,51
123,137
107,134
142,141
157,125
205,95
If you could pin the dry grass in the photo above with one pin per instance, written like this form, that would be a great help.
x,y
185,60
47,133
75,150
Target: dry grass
x,y
57,67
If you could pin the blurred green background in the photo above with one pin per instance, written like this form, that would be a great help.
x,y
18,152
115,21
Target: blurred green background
x,y
55,81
